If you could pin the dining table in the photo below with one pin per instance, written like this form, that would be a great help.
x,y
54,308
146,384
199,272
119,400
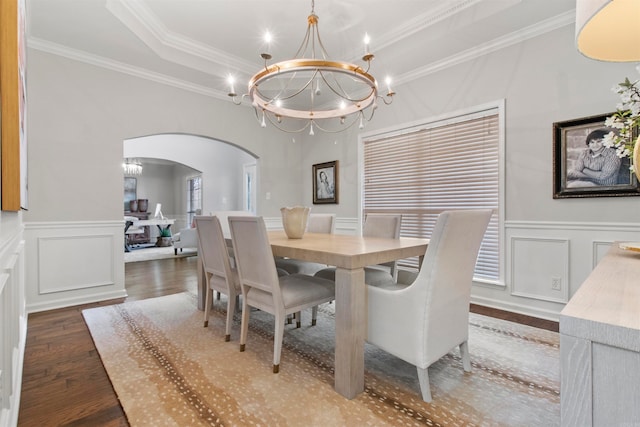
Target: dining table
x,y
349,254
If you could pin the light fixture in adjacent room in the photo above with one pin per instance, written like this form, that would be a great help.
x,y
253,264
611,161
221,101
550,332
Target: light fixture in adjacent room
x,y
132,167
608,30
311,91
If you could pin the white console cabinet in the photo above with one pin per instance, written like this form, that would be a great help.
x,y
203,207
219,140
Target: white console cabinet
x,y
600,346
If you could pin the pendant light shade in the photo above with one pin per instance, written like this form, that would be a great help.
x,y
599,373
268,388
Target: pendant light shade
x,y
608,30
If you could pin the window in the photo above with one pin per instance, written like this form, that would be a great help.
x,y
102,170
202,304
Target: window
x,y
249,188
424,170
194,198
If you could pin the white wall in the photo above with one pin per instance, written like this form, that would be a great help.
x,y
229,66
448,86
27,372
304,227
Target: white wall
x,y
157,186
543,80
79,115
78,111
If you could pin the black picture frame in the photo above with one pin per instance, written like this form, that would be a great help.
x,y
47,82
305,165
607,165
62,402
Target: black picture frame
x,y
569,141
325,183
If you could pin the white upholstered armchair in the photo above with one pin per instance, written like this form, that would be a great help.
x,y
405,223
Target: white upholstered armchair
x,y
186,238
423,321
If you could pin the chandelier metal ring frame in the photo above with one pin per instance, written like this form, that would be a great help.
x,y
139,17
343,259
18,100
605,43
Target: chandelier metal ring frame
x,y
318,66
290,91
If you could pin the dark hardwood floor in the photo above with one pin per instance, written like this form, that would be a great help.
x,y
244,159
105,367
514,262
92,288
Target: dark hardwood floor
x,y
64,382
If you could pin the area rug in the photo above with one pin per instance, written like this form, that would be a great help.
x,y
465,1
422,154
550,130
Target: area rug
x,y
168,370
151,253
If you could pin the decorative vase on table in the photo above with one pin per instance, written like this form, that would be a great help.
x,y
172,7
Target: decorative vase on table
x,y
133,205
294,221
143,205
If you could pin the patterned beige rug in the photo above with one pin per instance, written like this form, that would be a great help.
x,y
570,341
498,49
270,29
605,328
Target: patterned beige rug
x,y
170,371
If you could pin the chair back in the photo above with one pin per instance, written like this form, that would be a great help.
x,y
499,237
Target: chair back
x,y
224,222
321,223
253,255
212,249
443,285
382,225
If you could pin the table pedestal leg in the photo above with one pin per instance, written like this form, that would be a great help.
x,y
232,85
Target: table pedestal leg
x,y
350,332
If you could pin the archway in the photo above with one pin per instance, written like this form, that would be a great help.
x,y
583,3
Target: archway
x,y
222,166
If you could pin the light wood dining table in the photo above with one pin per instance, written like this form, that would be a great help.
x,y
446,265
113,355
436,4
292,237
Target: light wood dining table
x,y
349,254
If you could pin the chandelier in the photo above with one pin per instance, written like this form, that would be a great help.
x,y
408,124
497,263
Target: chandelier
x,y
312,91
132,167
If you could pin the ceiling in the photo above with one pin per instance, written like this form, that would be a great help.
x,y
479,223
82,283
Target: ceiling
x,y
197,44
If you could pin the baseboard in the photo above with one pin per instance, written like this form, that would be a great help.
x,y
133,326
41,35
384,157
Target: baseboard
x,y
67,302
517,308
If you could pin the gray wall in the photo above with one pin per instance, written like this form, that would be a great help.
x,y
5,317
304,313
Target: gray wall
x,y
79,115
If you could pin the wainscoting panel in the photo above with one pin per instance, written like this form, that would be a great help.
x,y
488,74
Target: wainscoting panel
x,y
600,249
535,253
539,268
13,326
78,269
73,263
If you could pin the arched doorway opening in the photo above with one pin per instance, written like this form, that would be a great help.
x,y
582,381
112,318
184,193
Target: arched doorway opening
x,y
173,159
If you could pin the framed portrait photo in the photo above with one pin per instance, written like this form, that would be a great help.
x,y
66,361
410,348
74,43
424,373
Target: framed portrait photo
x,y
325,183
584,167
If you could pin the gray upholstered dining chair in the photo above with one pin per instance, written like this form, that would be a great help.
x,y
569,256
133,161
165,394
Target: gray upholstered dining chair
x,y
317,223
263,289
220,276
424,320
375,225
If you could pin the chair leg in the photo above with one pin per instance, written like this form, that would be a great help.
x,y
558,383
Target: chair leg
x,y
466,357
423,378
207,305
298,316
278,335
175,251
244,324
231,308
314,315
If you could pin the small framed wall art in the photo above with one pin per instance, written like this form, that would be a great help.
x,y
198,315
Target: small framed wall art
x,y
325,183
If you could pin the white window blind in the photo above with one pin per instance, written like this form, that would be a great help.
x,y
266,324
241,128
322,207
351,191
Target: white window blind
x,y
444,166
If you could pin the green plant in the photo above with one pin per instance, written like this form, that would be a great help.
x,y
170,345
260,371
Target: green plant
x,y
165,232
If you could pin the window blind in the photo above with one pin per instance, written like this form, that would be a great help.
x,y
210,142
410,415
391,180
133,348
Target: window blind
x,y
443,166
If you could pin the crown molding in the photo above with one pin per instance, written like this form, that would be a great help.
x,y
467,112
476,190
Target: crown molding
x,y
109,64
172,46
543,27
192,48
425,20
